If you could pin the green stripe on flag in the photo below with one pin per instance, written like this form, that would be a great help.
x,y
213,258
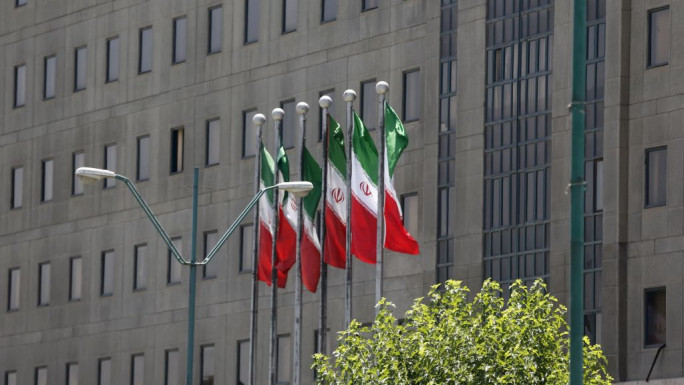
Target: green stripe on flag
x,y
312,172
364,149
284,168
267,167
397,140
336,147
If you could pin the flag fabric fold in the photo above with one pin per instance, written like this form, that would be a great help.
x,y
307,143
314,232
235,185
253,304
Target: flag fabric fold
x,y
311,247
336,199
266,221
286,239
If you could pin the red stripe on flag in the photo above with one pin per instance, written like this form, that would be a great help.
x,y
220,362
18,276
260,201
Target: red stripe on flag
x,y
311,263
264,268
286,243
397,238
364,232
335,239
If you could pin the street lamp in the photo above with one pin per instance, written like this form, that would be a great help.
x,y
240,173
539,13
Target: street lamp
x,y
91,175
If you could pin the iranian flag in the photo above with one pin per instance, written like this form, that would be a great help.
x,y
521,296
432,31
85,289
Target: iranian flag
x,y
396,236
310,246
336,204
364,185
286,240
266,221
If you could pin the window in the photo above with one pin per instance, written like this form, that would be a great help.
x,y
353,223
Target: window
x,y
180,38
19,3
656,176
78,160
283,360
331,94
50,63
19,85
251,21
145,53
213,145
171,376
173,275
80,69
243,362
47,174
215,29
655,317
658,37
72,374
598,185
409,204
110,164
17,187
412,95
207,365
369,104
369,4
137,369
112,59
107,273
248,134
104,371
289,123
210,239
14,283
140,267
289,16
177,144
246,247
143,171
328,10
75,278
10,378
41,376
44,284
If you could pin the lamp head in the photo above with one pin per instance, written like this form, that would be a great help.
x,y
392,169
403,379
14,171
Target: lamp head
x,y
299,189
91,174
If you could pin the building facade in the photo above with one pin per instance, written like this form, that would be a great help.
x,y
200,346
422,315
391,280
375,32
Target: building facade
x,y
151,89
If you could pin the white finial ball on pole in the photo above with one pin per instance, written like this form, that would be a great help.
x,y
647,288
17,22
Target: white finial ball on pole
x,y
349,95
382,87
302,108
259,120
278,114
325,101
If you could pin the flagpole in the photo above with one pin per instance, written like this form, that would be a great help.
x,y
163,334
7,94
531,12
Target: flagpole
x,y
349,97
258,120
302,109
277,116
325,102
381,88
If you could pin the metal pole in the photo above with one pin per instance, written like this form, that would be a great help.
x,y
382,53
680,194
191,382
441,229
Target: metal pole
x,y
259,120
193,279
349,96
277,116
324,102
381,88
577,187
302,109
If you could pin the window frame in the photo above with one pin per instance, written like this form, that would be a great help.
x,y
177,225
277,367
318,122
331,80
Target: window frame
x,y
109,183
278,359
167,353
69,367
179,39
202,362
78,65
238,361
245,129
137,260
210,36
47,59
137,160
647,291
323,8
207,145
110,61
134,366
177,151
13,373
647,199
405,93
20,3
103,273
141,33
283,104
14,196
649,46
18,101
37,370
365,7
171,261
10,291
76,182
403,198
241,267
248,39
44,288
363,107
99,370
44,185
72,277
285,30
205,271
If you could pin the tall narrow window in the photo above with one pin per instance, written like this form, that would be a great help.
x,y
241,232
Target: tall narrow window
x,y
655,317
243,362
180,38
656,176
80,68
78,160
72,374
41,376
110,164
246,247
44,284
251,21
210,270
47,179
171,376
598,185
213,144
19,85
331,94
215,29
140,267
409,203
289,123
137,369
658,37
145,52
289,16
14,283
369,104
17,187
50,63
143,169
412,95
112,59
75,278
248,134
104,371
19,3
107,273
177,144
11,378
369,4
283,359
328,10
173,275
207,365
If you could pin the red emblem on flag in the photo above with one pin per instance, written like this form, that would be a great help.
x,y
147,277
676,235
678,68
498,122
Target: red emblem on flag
x,y
337,195
293,205
365,189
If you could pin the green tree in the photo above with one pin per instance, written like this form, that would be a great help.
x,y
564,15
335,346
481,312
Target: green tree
x,y
449,340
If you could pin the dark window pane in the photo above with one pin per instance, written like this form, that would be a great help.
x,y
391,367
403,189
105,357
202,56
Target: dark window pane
x,y
211,268
289,15
107,273
14,287
412,96
290,130
173,275
369,4
598,186
19,3
19,86
41,376
656,177
80,68
145,53
283,359
72,374
11,378
140,263
248,134
110,164
659,37
171,376
75,278
213,144
49,77
44,284
329,10
246,247
215,29
207,365
104,371
143,172
180,36
409,205
243,363
251,21
113,59
655,317
46,192
177,146
76,183
138,369
369,104
17,187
